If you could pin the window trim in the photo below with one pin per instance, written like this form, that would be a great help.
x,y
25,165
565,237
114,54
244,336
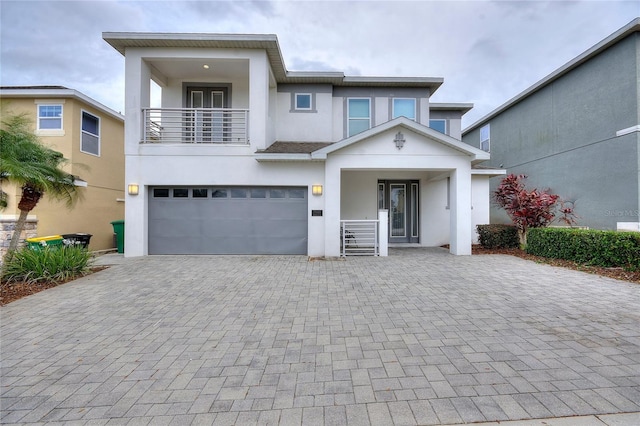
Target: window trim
x,y
49,102
487,139
415,108
369,119
82,132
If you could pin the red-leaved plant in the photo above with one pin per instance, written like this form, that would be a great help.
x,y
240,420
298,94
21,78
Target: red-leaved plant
x,y
529,208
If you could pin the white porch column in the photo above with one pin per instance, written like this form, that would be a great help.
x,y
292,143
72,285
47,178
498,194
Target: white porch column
x,y
383,234
332,209
460,224
137,96
258,100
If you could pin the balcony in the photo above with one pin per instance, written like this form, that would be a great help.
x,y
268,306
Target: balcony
x,y
195,125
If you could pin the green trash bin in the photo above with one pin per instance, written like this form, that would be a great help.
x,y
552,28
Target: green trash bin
x,y
118,229
41,242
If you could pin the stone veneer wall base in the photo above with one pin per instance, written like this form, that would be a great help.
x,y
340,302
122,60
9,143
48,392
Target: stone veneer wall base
x,y
7,226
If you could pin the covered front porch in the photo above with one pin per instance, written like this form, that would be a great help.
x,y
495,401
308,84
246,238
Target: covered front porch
x,y
426,186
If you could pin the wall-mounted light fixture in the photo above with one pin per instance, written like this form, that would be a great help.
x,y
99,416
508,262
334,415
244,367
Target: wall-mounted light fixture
x,y
133,189
399,140
316,189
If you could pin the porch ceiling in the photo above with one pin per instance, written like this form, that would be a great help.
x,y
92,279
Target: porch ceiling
x,y
193,69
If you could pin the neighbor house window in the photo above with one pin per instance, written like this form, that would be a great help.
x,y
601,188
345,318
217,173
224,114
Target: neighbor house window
x,y
49,117
485,138
359,115
303,101
90,142
439,125
404,108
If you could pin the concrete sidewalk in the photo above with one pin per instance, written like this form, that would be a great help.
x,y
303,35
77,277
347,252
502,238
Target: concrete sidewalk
x,y
420,337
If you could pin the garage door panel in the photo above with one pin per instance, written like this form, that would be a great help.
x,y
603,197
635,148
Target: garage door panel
x,y
230,225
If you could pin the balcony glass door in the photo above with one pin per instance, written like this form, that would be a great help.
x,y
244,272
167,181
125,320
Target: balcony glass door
x,y
206,120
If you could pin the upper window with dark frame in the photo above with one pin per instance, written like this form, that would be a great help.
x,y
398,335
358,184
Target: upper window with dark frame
x,y
90,138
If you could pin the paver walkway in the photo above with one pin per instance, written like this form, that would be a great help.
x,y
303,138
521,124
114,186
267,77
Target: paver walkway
x,y
420,337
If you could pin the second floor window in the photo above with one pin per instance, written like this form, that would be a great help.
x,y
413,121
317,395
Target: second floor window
x,y
359,115
485,138
439,125
404,108
49,117
90,138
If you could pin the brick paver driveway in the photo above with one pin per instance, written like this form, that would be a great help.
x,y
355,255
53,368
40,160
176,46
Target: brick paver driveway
x,y
418,337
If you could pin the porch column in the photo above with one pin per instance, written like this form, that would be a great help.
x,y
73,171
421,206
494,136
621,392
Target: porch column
x,y
332,209
460,220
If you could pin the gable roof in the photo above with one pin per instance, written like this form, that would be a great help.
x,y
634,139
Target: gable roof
x,y
269,42
630,28
477,155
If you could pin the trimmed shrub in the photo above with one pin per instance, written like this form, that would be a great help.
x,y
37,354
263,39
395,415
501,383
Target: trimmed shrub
x,y
498,236
589,247
50,264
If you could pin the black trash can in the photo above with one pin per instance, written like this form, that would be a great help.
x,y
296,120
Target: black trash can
x,y
78,239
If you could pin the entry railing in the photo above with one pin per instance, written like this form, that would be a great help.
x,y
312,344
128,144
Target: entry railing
x,y
359,238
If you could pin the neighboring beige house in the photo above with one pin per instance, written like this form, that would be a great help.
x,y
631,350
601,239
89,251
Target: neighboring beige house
x,y
91,137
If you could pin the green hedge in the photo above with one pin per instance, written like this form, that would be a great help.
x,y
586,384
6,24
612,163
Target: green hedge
x,y
498,236
590,247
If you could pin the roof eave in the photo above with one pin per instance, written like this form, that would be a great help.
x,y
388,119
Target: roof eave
x,y
60,93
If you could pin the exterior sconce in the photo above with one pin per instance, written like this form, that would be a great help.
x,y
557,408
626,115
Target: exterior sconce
x,y
134,189
399,140
316,189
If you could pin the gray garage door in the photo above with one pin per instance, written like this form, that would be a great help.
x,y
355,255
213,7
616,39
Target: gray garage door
x,y
227,220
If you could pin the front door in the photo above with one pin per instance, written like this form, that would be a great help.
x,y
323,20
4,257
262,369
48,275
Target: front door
x,y
401,199
206,119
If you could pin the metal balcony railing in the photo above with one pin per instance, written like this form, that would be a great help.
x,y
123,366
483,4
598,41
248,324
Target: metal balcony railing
x,y
359,238
195,125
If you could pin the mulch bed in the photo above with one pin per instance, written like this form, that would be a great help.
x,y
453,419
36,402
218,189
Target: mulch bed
x,y
10,292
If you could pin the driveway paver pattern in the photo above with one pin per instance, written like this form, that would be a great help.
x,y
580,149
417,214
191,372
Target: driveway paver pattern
x,y
419,337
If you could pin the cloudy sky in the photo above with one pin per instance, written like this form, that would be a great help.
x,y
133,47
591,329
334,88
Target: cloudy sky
x,y
486,51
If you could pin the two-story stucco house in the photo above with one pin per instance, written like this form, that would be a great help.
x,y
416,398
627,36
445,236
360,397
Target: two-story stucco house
x,y
577,132
91,137
245,157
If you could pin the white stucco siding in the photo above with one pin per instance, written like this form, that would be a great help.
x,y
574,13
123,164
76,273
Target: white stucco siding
x,y
435,213
303,126
381,111
418,153
338,119
359,199
424,111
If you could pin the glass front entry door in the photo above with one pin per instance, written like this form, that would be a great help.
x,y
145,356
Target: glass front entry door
x,y
401,199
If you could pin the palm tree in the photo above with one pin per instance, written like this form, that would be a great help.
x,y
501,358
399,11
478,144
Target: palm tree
x,y
26,162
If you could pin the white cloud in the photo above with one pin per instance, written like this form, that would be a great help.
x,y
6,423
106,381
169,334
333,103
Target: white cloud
x,y
487,51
